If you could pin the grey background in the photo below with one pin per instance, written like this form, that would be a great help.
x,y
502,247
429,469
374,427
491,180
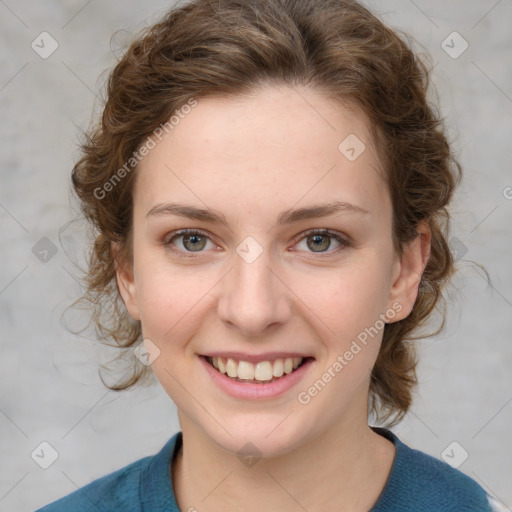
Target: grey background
x,y
49,386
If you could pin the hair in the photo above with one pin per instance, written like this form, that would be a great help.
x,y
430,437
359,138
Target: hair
x,y
232,47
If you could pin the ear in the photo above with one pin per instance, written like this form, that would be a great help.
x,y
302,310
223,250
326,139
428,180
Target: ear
x,y
126,282
408,270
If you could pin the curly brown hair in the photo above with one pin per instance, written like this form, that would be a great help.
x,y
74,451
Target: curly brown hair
x,y
230,47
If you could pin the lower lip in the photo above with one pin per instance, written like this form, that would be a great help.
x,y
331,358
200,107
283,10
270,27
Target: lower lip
x,y
253,391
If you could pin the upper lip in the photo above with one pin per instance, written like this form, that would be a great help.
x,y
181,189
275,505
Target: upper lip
x,y
256,358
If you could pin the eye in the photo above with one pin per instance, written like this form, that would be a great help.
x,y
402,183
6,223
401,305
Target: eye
x,y
193,240
320,240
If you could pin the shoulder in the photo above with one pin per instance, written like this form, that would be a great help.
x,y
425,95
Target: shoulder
x,y
145,482
117,490
423,483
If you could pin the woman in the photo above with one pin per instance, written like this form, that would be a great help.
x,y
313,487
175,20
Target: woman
x,y
269,186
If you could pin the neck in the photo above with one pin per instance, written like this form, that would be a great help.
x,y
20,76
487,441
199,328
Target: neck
x,y
344,468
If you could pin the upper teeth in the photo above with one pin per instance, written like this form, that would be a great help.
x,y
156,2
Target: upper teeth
x,y
264,370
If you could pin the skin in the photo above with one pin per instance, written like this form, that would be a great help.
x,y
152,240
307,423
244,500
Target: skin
x,y
251,158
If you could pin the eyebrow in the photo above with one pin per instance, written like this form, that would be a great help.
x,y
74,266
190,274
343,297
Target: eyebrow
x,y
286,217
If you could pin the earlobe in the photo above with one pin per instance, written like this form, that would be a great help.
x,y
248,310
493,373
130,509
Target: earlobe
x,y
126,282
410,269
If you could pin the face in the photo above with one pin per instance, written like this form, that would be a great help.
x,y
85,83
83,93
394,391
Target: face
x,y
252,278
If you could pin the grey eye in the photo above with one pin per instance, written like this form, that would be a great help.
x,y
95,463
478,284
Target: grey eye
x,y
194,242
321,242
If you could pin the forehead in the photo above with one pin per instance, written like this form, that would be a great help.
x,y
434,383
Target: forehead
x,y
264,152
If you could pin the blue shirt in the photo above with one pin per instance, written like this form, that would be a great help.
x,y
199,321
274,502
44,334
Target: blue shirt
x,y
417,483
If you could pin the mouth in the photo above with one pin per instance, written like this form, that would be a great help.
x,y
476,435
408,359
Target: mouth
x,y
261,372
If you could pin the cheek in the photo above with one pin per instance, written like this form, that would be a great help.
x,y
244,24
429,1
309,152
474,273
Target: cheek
x,y
174,308
349,298
169,301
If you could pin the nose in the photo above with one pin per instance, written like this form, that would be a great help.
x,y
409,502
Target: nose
x,y
253,298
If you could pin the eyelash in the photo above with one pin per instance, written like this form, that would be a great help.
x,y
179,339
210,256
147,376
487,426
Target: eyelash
x,y
315,231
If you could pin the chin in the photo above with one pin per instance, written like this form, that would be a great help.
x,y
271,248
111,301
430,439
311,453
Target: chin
x,y
257,437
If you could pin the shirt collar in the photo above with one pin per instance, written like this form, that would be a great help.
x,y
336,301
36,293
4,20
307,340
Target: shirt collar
x,y
156,490
156,482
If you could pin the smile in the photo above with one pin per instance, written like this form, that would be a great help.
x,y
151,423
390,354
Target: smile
x,y
262,379
263,371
